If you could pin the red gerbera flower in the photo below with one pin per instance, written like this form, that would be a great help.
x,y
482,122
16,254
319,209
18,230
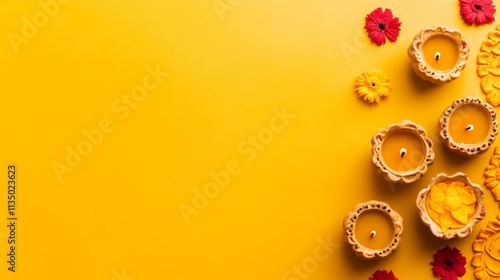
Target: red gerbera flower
x,y
383,275
477,11
449,264
381,24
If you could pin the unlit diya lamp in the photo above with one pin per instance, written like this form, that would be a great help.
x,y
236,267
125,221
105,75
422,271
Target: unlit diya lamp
x,y
451,205
469,126
402,152
439,54
373,229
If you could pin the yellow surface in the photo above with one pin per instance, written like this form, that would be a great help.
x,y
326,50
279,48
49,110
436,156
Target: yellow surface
x,y
242,114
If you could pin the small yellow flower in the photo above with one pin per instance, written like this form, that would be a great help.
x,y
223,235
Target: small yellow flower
x,y
372,85
492,174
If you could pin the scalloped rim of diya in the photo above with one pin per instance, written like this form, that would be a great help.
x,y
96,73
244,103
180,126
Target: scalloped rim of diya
x,y
479,213
468,149
403,177
420,65
350,229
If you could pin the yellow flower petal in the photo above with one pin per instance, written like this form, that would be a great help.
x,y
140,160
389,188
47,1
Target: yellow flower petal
x,y
477,260
495,160
490,173
466,194
452,201
484,48
495,225
493,268
491,183
445,220
493,98
481,273
489,44
484,233
483,56
486,84
495,191
482,71
461,214
495,50
495,71
494,35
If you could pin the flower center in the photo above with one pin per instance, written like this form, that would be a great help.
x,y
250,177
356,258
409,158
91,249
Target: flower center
x,y
382,25
478,7
448,263
373,84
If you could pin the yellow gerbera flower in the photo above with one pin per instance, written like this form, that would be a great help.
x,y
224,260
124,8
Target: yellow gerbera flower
x,y
372,85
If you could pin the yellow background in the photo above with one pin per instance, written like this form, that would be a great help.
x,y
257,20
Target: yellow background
x,y
116,214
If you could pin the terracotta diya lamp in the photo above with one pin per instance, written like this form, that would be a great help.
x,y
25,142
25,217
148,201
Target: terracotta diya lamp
x,y
439,54
402,152
451,205
469,126
373,229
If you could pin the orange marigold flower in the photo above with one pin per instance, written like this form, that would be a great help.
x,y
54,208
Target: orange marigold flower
x,y
492,174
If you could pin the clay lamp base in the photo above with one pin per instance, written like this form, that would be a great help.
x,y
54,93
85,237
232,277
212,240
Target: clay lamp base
x,y
402,152
439,54
373,230
469,126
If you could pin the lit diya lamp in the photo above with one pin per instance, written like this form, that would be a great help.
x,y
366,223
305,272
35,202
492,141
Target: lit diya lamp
x,y
469,126
402,152
373,229
451,205
439,54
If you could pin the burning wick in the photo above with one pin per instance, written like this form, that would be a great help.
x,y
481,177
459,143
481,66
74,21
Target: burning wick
x,y
437,55
402,152
373,233
469,127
